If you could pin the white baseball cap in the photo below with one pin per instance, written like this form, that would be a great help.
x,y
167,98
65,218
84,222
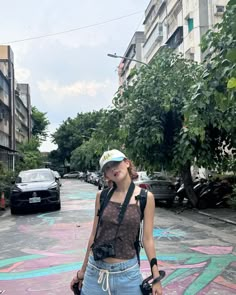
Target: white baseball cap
x,y
110,156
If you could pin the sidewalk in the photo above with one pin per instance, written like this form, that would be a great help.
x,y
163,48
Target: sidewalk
x,y
223,214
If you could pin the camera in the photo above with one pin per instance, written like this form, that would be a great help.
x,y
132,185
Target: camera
x,y
76,289
103,251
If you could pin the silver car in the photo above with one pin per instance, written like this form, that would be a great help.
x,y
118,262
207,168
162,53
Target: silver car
x,y
159,184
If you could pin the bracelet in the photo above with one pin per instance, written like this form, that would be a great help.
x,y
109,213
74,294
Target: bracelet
x,y
156,280
153,262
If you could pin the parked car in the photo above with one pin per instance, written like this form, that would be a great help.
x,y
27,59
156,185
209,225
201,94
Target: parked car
x,y
102,182
159,184
72,174
57,176
35,188
94,178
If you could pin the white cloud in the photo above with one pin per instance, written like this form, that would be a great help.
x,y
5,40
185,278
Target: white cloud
x,y
90,88
22,75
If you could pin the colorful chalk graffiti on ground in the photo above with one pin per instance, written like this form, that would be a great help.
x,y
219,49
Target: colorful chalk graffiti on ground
x,y
201,270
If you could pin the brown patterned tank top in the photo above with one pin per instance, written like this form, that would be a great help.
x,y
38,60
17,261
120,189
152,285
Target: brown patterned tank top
x,y
128,230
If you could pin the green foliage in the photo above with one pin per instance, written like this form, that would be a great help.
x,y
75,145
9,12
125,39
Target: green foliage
x,y
86,156
5,180
210,114
73,132
153,111
106,136
232,201
40,124
30,155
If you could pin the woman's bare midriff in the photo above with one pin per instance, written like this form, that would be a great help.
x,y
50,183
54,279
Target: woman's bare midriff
x,y
111,259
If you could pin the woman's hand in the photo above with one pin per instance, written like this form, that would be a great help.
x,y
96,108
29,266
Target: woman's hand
x,y
157,289
77,279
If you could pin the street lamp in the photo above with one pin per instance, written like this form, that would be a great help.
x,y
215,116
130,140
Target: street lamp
x,y
124,57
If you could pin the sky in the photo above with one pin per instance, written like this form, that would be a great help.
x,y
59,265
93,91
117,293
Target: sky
x,y
69,73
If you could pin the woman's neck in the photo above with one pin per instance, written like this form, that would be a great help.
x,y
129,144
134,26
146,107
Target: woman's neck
x,y
123,186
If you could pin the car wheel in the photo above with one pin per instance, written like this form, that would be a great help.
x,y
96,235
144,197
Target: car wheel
x,y
57,206
14,210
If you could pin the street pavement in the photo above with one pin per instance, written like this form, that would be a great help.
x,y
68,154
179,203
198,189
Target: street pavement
x,y
40,252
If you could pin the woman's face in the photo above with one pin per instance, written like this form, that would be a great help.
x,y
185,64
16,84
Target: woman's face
x,y
116,171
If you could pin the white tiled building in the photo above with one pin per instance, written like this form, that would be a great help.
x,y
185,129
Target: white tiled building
x,y
179,24
134,51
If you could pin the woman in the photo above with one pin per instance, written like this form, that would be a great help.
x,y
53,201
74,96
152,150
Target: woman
x,y
117,271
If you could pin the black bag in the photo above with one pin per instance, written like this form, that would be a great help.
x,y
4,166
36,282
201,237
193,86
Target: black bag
x,y
76,289
146,286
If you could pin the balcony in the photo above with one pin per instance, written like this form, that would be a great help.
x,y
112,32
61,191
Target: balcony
x,y
176,38
160,5
155,37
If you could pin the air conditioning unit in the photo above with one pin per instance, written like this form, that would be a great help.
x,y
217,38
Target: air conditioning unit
x,y
219,10
159,32
1,116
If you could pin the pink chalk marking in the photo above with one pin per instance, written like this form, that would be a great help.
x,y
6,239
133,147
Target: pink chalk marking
x,y
9,269
44,253
213,250
220,280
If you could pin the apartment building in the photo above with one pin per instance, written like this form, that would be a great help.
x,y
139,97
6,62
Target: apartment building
x,y
23,119
179,24
133,55
15,110
7,106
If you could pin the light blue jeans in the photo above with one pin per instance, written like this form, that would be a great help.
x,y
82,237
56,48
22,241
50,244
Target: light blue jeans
x,y
103,278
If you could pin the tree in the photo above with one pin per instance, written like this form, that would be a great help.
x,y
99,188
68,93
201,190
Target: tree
x,y
106,136
40,124
153,120
30,156
210,114
73,132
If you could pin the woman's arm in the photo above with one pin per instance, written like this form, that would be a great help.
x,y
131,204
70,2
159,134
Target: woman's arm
x,y
80,273
148,241
92,235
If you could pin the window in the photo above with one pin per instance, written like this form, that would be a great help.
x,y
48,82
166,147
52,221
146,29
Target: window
x,y
190,24
220,8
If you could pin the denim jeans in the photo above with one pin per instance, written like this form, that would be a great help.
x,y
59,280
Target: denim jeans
x,y
122,278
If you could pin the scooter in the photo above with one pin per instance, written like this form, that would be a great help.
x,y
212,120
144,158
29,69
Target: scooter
x,y
214,194
198,186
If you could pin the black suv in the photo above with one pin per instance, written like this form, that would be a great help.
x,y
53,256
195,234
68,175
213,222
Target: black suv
x,y
35,188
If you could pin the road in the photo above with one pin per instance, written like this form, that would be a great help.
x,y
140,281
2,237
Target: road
x,y
40,252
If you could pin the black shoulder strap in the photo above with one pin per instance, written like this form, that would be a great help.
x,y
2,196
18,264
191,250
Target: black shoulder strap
x,y
143,201
104,199
142,198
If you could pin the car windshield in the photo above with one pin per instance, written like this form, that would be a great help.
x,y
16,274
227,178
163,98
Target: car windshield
x,y
143,176
34,176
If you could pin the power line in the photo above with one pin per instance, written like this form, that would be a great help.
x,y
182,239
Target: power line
x,y
72,30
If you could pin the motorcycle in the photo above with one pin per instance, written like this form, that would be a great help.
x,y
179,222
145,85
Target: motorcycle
x,y
198,186
215,194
